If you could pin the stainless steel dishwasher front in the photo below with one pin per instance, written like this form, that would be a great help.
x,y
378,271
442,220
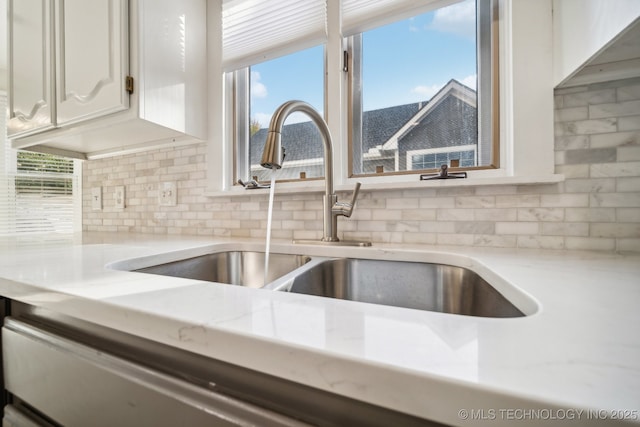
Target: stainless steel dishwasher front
x,y
77,385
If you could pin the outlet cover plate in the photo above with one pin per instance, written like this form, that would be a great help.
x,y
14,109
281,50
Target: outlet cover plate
x,y
96,198
167,194
118,196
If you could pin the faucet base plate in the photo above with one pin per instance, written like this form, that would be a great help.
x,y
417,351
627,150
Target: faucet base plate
x,y
337,243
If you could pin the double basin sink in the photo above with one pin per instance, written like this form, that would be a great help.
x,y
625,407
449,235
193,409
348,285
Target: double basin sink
x,y
406,284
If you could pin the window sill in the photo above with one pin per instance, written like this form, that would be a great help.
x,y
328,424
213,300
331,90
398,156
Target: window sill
x,y
370,184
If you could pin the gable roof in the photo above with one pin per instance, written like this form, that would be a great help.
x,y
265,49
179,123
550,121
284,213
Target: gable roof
x,y
381,128
452,89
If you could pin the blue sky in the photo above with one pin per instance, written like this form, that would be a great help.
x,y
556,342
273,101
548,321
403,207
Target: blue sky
x,y
404,62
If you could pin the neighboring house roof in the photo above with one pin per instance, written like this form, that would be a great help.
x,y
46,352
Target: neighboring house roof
x,y
384,128
453,94
300,141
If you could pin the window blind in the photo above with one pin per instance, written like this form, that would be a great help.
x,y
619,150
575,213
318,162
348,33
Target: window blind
x,y
362,15
254,31
38,192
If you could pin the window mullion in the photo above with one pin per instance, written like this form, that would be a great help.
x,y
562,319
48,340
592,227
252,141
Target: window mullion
x,y
242,123
335,91
355,104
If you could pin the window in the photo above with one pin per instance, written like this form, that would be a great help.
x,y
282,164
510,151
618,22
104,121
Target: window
x,y
270,84
39,192
415,89
421,80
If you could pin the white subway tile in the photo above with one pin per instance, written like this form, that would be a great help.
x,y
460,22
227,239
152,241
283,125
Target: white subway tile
x,y
620,109
564,200
495,214
616,230
495,241
573,171
620,200
627,215
594,185
419,238
590,214
565,229
518,201
589,98
540,214
475,227
510,228
437,227
587,127
614,139
629,123
628,245
437,202
572,114
419,214
628,93
628,153
590,244
386,214
541,242
475,202
454,215
455,239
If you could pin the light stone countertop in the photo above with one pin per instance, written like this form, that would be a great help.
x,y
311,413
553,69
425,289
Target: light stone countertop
x,y
575,358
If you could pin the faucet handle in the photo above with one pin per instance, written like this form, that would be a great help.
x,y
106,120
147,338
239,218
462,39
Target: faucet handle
x,y
346,209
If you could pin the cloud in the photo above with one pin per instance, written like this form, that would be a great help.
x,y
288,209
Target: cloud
x,y
258,89
412,25
263,118
426,92
470,81
459,19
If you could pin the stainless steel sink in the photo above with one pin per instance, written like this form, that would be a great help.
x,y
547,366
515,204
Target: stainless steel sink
x,y
416,285
241,268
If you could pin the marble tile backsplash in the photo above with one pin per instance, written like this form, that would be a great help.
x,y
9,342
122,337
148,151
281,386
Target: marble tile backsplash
x,y
597,207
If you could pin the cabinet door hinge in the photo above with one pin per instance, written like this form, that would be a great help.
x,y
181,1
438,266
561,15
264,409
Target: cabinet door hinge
x,y
129,84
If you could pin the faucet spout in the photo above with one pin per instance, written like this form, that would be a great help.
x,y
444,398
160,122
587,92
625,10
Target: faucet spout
x,y
273,157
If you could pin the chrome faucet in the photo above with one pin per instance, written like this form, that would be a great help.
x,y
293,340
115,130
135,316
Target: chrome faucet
x,y
273,157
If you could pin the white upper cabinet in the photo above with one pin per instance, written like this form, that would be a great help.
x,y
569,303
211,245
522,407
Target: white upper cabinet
x,y
92,58
66,65
126,75
31,86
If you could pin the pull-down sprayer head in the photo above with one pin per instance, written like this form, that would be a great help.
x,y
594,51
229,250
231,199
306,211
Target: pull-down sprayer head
x,y
273,154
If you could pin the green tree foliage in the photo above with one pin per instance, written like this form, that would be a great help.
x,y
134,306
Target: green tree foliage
x,y
39,170
254,126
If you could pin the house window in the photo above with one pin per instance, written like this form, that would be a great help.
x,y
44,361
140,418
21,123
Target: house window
x,y
424,85
463,156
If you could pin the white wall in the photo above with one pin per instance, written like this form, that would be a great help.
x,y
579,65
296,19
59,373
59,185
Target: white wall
x,y
581,28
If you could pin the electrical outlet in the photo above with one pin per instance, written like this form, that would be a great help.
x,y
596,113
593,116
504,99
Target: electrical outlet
x,y
167,194
118,196
96,198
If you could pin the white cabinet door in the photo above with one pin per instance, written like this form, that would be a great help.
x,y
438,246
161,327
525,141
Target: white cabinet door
x,y
31,86
92,58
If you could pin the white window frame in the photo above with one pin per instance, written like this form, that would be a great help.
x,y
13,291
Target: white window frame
x,y
526,107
